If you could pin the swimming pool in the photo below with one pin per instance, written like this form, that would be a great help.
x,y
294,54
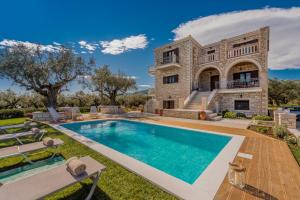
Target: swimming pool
x,y
181,153
30,169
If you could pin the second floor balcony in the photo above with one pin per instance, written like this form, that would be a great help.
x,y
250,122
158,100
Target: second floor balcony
x,y
169,59
166,62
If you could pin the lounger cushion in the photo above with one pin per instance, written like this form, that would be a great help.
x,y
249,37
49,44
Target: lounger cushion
x,y
35,130
75,166
48,141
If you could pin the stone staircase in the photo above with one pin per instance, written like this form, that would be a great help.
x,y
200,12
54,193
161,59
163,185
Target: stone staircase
x,y
196,104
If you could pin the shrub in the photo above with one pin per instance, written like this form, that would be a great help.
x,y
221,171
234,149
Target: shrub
x,y
11,113
224,112
241,115
262,117
291,140
230,115
261,129
280,131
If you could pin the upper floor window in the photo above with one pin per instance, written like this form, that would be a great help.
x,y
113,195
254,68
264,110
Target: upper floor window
x,y
171,56
170,79
245,43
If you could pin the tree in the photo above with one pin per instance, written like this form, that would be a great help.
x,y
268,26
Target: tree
x,y
283,91
111,85
9,99
46,73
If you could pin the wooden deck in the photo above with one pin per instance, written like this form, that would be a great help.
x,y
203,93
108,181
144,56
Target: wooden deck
x,y
273,173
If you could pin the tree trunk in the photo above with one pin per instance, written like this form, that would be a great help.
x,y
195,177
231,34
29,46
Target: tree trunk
x,y
52,98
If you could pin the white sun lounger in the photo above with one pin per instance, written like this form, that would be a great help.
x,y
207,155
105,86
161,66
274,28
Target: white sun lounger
x,y
27,148
17,136
50,181
31,124
55,115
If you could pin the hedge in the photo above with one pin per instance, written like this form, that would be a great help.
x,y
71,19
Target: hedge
x,y
20,112
11,113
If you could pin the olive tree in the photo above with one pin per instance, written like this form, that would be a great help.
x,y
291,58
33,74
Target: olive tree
x,y
44,72
9,99
111,85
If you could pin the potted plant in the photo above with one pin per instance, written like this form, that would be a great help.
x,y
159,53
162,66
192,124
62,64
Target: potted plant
x,y
202,115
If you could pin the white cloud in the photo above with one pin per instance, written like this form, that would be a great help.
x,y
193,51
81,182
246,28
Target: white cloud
x,y
56,43
29,45
118,46
284,31
145,86
88,46
132,77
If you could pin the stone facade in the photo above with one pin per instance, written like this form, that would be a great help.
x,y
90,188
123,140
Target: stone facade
x,y
196,64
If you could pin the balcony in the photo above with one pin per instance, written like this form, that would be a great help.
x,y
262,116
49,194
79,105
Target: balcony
x,y
169,60
242,51
165,63
254,82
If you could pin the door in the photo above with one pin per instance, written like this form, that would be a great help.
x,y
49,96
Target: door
x,y
214,82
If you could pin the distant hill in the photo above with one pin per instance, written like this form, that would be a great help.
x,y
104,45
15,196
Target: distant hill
x,y
142,92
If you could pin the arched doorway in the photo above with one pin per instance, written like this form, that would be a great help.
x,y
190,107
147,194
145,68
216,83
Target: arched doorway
x,y
209,79
243,75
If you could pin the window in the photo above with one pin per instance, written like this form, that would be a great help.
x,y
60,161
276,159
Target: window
x,y
241,104
170,79
245,76
169,104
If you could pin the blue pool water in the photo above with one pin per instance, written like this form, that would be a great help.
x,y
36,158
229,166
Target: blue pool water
x,y
182,153
29,169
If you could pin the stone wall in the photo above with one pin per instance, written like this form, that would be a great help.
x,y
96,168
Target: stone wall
x,y
110,110
285,118
41,116
255,102
187,114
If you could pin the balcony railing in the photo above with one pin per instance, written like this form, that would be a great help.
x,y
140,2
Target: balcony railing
x,y
241,51
169,59
254,82
210,58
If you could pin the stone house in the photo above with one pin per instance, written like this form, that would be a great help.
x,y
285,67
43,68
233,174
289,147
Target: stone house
x,y
231,74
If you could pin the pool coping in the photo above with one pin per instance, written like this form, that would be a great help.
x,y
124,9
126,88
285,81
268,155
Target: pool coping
x,y
205,186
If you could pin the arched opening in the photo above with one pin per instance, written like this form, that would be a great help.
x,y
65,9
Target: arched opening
x,y
209,79
243,75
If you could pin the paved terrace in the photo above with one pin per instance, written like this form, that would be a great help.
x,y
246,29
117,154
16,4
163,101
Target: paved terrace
x,y
273,173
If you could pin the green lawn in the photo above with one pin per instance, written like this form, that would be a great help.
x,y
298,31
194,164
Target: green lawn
x,y
115,183
296,152
7,122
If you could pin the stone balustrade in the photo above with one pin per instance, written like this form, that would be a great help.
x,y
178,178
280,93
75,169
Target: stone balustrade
x,y
110,110
41,116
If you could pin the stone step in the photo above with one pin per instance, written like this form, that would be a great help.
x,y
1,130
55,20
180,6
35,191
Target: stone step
x,y
212,115
217,118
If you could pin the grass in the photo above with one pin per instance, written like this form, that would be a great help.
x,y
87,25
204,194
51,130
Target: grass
x,y
7,122
115,183
296,152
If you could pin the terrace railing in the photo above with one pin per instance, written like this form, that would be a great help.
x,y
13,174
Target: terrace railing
x,y
254,82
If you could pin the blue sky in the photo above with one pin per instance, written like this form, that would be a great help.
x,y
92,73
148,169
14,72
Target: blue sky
x,y
71,21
